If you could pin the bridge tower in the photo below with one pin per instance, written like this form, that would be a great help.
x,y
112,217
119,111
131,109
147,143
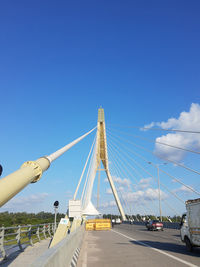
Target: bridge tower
x,y
102,156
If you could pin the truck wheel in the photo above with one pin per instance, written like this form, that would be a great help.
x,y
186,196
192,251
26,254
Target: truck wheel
x,y
188,244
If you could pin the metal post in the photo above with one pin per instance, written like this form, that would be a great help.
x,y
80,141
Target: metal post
x,y
49,229
44,231
18,237
38,233
2,249
159,193
30,235
55,209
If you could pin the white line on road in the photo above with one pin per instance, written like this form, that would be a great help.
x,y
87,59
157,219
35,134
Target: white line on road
x,y
158,250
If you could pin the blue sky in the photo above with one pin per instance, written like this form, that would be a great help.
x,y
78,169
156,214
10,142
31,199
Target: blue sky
x,y
61,60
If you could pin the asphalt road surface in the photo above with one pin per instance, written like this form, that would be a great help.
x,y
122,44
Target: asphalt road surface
x,y
133,245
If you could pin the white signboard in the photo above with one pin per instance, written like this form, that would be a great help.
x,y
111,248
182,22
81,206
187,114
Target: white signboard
x,y
64,221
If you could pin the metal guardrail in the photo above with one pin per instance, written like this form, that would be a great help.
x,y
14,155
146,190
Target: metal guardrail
x,y
62,254
11,237
171,225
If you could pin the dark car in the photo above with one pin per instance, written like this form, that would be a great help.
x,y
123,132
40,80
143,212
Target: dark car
x,y
154,225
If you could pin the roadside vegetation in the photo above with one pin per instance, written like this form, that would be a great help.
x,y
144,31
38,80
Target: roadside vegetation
x,y
23,218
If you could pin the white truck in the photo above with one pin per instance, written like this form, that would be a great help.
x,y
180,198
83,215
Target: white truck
x,y
190,224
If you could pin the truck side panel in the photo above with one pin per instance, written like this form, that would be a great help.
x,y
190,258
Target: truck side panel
x,y
193,212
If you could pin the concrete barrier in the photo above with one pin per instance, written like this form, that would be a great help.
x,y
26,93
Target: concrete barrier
x,y
61,254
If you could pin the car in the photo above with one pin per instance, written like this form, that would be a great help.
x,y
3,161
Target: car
x,y
118,221
154,225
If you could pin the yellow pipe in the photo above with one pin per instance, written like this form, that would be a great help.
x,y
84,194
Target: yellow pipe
x,y
30,172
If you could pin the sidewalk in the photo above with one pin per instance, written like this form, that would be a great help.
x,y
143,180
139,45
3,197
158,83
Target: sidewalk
x,y
28,256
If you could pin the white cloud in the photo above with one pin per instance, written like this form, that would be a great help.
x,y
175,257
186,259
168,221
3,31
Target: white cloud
x,y
123,182
68,194
187,121
144,183
120,189
183,189
108,191
25,202
108,204
152,124
139,197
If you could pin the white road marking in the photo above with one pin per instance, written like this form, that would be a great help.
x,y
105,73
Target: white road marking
x,y
158,250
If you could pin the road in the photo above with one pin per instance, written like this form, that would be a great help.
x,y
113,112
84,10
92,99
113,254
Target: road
x,y
133,245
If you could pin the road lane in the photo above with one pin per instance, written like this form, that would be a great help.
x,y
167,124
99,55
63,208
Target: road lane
x,y
168,241
131,246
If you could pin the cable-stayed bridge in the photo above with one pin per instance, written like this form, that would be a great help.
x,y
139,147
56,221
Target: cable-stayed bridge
x,y
111,152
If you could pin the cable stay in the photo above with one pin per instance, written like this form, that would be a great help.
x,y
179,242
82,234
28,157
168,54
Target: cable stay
x,y
173,193
86,179
75,194
158,142
124,166
190,188
116,152
119,191
116,169
171,161
157,129
169,206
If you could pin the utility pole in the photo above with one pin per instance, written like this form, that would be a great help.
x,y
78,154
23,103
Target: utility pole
x,y
159,192
159,195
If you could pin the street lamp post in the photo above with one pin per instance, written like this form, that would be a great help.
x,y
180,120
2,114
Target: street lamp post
x,y
56,204
159,198
159,192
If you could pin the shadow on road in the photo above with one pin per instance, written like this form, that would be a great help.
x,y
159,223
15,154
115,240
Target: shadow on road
x,y
171,247
12,253
177,235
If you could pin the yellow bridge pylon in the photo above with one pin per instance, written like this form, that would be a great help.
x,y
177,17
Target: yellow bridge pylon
x,y
102,156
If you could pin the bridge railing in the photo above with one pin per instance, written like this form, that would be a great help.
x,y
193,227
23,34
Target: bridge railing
x,y
15,237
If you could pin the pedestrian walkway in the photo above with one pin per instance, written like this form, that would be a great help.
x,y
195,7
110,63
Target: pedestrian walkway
x,y
28,256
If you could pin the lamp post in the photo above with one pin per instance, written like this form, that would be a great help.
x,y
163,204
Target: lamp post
x,y
56,204
159,198
157,166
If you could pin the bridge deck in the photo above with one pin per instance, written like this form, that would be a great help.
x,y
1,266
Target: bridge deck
x,y
131,245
